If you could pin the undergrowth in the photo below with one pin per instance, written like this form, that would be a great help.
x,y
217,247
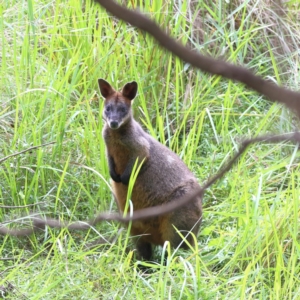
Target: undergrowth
x,y
52,53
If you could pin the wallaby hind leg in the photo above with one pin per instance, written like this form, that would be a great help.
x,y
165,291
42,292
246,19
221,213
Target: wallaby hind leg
x,y
144,249
185,220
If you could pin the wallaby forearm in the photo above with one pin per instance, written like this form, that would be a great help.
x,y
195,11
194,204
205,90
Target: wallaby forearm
x,y
125,177
112,170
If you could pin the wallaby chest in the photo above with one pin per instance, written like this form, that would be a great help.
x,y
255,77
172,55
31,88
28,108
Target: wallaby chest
x,y
117,149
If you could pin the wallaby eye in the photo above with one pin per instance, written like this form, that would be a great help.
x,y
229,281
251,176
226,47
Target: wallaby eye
x,y
107,108
122,109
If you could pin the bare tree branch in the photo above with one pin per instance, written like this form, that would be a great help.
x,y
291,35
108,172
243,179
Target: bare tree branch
x,y
39,224
291,137
207,64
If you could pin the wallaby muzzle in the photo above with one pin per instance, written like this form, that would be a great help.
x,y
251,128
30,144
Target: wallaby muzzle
x,y
114,124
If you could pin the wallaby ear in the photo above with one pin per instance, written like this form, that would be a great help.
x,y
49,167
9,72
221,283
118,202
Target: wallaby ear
x,y
129,90
105,88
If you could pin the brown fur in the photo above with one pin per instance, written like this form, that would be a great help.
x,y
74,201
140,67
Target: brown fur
x,y
162,178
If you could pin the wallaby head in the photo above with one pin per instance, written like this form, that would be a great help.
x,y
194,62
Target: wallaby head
x,y
117,106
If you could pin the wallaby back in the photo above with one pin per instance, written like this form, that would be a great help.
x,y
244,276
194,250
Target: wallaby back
x,y
163,176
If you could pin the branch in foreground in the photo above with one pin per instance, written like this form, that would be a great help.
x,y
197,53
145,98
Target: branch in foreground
x,y
39,223
273,139
207,64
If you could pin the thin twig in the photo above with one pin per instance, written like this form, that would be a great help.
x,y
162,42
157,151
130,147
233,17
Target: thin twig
x,y
23,151
21,206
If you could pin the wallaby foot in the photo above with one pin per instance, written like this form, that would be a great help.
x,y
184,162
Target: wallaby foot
x,y
144,250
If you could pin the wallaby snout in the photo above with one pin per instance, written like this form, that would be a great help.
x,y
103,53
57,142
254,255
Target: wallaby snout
x,y
114,124
116,113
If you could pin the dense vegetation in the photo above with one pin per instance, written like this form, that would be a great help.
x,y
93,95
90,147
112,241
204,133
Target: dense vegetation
x,y
52,53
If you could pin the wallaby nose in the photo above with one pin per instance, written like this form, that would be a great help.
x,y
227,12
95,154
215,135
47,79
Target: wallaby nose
x,y
114,125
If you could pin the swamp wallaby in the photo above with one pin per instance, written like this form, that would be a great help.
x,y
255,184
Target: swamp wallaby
x,y
162,178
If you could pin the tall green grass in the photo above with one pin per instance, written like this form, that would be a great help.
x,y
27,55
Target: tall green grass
x,y
52,53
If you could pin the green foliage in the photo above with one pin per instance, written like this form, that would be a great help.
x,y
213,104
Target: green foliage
x,y
52,53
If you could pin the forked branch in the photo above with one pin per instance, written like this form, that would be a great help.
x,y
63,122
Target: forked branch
x,y
39,223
